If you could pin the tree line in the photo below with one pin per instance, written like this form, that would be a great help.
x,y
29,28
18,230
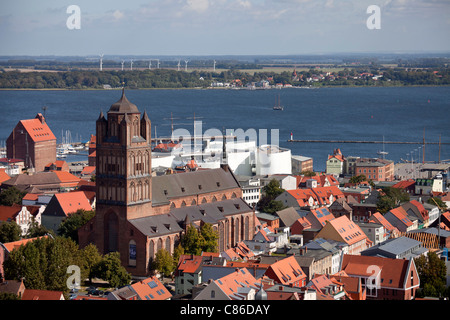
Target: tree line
x,y
167,78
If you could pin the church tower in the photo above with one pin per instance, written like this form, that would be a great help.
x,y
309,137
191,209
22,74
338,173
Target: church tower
x,y
123,171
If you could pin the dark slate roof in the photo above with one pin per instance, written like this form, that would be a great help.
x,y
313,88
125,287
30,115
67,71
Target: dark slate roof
x,y
123,106
287,216
173,222
157,225
191,183
211,212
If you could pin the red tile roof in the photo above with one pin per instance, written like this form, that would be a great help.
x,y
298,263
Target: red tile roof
x,y
9,213
287,271
404,184
319,216
3,175
189,263
70,202
379,218
349,232
151,289
30,294
10,246
231,283
37,130
401,215
393,271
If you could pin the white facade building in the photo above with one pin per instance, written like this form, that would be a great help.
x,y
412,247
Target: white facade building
x,y
272,159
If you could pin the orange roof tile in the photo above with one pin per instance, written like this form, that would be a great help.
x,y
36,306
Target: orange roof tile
x,y
3,175
70,202
348,230
151,289
66,177
393,271
8,213
401,214
231,283
189,263
10,246
286,271
37,130
30,294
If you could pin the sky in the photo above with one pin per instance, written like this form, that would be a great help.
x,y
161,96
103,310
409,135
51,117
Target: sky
x,y
222,27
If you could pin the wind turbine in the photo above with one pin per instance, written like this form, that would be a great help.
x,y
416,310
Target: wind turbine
x,y
185,66
131,64
150,65
158,62
123,61
101,61
178,65
214,65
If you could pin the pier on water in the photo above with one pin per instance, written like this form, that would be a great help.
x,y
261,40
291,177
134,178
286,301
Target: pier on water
x,y
366,141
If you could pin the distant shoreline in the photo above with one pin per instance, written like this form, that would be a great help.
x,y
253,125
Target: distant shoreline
x,y
221,88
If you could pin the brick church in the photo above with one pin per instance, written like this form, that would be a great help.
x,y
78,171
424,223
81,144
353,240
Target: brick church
x,y
138,214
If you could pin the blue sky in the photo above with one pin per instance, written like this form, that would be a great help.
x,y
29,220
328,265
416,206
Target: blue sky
x,y
219,27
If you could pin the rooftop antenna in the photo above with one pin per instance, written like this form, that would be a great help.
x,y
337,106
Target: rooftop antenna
x,y
122,63
178,65
171,118
131,64
423,148
439,159
185,66
101,61
44,108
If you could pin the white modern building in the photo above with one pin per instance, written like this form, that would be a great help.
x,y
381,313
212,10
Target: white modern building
x,y
272,159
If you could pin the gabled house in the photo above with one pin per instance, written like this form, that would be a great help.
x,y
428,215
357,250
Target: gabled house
x,y
12,286
328,286
335,163
22,215
391,231
30,294
399,218
239,285
343,230
416,210
61,206
352,285
262,242
327,195
299,198
318,217
288,272
383,278
148,289
188,273
32,141
299,225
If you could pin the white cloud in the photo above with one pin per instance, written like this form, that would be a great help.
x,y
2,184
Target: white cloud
x,y
198,6
118,14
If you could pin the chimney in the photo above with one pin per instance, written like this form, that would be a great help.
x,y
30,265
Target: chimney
x,y
40,117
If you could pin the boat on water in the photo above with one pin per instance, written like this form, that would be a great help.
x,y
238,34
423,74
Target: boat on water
x,y
278,105
382,152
